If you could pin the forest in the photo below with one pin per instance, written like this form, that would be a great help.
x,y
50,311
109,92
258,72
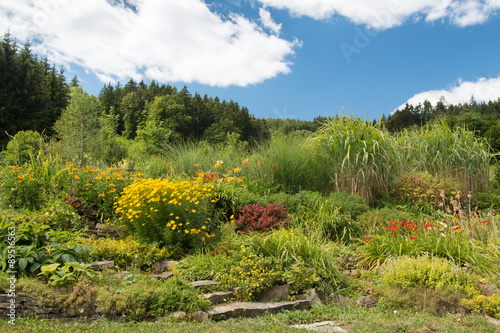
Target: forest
x,y
114,207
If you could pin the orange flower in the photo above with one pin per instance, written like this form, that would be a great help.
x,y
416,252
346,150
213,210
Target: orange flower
x,y
413,238
367,239
457,228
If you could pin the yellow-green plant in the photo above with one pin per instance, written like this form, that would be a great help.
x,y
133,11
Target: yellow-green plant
x,y
483,304
126,252
174,213
432,272
252,274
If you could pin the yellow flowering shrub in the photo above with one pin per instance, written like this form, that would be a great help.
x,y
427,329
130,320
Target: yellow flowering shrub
x,y
252,274
101,187
126,252
172,213
483,304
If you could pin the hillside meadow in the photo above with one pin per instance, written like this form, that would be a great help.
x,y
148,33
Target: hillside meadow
x,y
408,219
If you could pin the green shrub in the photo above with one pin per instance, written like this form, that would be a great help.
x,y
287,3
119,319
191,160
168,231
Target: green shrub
x,y
348,203
374,220
22,147
289,247
416,187
432,272
150,298
37,245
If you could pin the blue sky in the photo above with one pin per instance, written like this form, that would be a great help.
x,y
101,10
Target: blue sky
x,y
281,58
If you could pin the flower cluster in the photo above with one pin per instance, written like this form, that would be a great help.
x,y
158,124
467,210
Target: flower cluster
x,y
252,274
168,212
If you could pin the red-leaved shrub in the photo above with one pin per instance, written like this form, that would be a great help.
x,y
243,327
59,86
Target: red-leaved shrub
x,y
255,217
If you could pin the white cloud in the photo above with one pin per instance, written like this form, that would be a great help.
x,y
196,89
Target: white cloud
x,y
162,40
483,90
384,14
268,22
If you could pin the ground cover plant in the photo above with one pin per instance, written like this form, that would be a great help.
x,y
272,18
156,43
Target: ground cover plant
x,y
350,210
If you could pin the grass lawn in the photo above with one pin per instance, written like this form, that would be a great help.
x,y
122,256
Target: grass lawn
x,y
350,318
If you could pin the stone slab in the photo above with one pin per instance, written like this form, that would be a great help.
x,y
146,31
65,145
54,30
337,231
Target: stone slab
x,y
204,283
219,297
253,309
324,326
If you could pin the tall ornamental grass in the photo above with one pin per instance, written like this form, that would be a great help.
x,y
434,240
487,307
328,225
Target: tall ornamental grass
x,y
357,156
447,154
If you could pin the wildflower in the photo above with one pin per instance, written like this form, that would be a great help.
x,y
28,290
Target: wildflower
x,y
413,238
367,239
428,226
196,165
218,164
457,228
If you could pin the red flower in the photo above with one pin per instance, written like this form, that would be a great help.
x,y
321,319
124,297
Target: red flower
x,y
427,226
457,228
413,238
367,239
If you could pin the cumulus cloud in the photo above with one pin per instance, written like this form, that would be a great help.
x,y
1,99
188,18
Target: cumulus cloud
x,y
483,90
384,14
268,22
155,39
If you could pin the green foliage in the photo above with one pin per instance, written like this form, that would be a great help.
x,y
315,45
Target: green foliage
x,y
422,186
352,204
358,157
463,242
22,147
78,128
126,252
148,298
289,247
432,272
447,154
37,245
374,220
69,273
33,92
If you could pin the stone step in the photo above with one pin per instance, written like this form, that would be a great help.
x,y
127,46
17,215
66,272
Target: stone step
x,y
204,283
219,297
253,309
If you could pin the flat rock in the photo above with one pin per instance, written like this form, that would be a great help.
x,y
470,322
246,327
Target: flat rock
x,y
201,316
204,283
163,266
366,301
325,326
489,289
219,297
102,265
275,293
493,321
253,309
164,276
